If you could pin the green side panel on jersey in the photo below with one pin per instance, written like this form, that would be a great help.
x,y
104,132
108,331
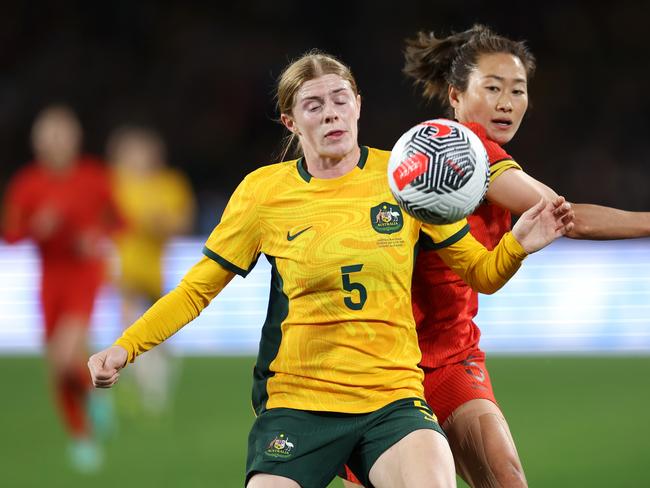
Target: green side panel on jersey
x,y
271,338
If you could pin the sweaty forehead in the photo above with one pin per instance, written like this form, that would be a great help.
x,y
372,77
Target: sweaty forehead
x,y
322,86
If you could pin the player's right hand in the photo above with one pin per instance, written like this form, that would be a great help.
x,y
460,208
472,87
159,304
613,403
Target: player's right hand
x,y
105,366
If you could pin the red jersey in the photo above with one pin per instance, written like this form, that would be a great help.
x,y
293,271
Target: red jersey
x,y
80,201
444,306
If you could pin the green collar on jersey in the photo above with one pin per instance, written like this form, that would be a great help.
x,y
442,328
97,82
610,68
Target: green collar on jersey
x,y
304,174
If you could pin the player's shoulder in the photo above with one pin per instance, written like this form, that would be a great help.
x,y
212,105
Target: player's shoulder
x,y
375,153
173,174
271,173
173,179
27,175
31,169
375,159
495,152
270,180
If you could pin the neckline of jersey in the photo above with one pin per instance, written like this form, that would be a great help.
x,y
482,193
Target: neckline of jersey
x,y
307,177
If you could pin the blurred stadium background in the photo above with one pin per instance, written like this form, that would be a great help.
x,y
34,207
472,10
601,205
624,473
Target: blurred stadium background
x,y
568,338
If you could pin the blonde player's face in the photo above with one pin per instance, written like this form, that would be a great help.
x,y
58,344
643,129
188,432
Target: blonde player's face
x,y
496,96
325,116
138,156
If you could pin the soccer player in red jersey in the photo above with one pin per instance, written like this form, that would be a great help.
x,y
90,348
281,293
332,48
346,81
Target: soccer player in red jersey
x,y
62,202
482,78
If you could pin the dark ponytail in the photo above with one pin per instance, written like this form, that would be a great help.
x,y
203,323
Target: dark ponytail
x,y
435,63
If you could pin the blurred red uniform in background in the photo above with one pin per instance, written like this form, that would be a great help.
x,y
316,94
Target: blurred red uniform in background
x,y
62,202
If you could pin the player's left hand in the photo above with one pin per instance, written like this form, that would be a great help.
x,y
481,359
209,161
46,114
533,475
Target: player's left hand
x,y
543,223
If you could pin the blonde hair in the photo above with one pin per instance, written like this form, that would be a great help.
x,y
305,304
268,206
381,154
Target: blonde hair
x,y
310,65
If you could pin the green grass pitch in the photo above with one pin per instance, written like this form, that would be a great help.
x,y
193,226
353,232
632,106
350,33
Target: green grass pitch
x,y
578,422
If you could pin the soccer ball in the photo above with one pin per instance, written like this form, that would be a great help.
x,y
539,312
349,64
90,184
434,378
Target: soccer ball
x,y
438,171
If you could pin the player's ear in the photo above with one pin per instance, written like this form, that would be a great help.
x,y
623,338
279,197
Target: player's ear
x,y
289,123
358,106
453,95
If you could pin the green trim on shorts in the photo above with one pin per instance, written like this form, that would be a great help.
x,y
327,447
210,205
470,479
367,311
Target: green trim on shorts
x,y
312,447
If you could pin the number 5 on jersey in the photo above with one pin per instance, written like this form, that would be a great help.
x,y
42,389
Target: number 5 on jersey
x,y
351,286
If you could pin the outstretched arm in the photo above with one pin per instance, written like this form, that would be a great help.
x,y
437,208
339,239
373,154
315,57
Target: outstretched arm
x,y
166,317
517,191
606,223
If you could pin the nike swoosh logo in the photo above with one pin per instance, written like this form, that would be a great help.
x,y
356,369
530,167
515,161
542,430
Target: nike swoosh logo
x,y
292,237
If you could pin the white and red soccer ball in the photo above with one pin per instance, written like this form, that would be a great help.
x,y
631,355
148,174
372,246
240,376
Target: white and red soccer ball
x,y
438,171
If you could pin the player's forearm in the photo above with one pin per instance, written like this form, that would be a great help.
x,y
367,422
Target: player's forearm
x,y
493,269
598,222
176,309
166,317
485,271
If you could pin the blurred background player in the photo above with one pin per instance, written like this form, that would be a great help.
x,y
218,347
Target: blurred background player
x,y
62,202
157,204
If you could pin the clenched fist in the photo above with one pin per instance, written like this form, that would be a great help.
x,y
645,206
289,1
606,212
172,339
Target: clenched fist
x,y
105,366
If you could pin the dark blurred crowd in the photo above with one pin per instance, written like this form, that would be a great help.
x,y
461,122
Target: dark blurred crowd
x,y
203,75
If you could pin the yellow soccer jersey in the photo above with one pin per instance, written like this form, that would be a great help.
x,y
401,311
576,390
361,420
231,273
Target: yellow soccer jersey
x,y
339,333
144,202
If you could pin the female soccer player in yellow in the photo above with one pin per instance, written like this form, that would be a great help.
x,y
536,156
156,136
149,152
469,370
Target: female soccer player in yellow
x,y
157,204
336,377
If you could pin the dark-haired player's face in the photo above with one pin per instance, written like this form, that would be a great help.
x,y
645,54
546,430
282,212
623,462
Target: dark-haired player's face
x,y
496,96
325,117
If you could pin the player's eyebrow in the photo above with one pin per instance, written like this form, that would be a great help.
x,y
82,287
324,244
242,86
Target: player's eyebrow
x,y
321,99
502,79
